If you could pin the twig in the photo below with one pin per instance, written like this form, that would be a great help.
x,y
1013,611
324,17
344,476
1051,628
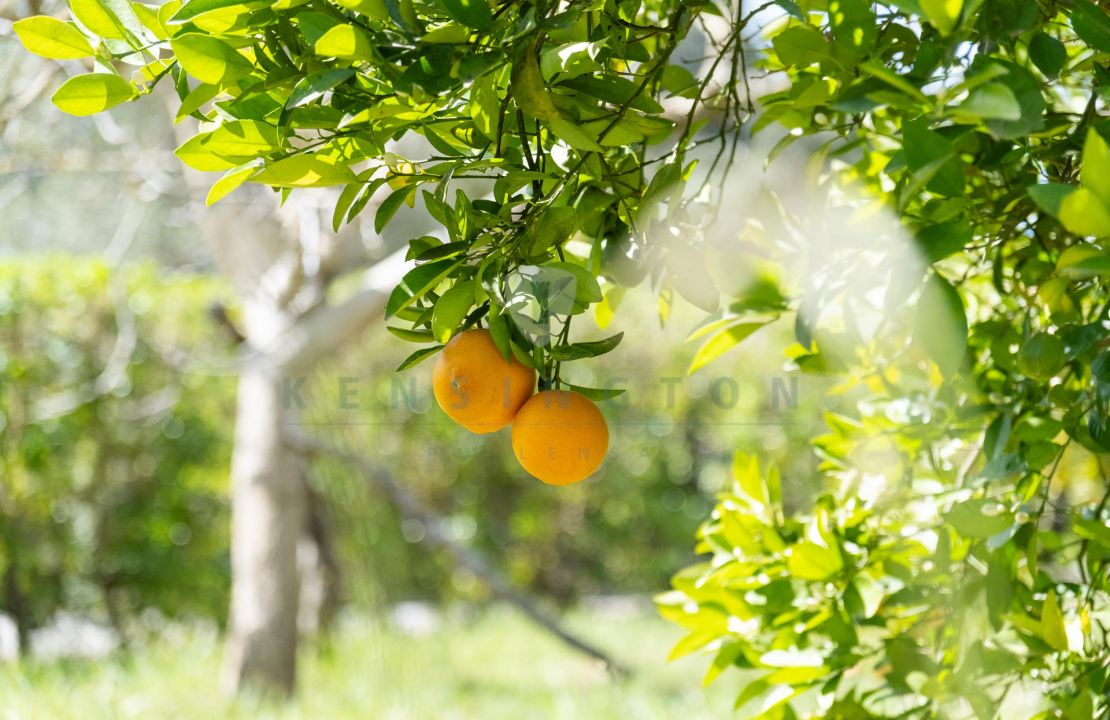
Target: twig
x,y
411,508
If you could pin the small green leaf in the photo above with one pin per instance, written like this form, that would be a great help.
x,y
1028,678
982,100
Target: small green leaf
x,y
941,326
451,309
810,561
980,518
1052,623
417,357
98,19
993,101
416,283
1094,172
596,394
315,85
305,171
1092,24
474,13
801,46
51,38
416,336
391,205
578,351
1084,214
721,343
1041,357
345,42
92,93
1049,196
210,60
942,14
553,227
225,185
1048,54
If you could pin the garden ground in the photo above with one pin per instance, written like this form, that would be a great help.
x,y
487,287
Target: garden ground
x,y
485,665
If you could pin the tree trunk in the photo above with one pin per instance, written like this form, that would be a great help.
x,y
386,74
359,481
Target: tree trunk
x,y
268,517
16,603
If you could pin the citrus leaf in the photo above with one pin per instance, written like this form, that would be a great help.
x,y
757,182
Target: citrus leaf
x,y
209,60
721,343
416,283
92,93
451,309
418,357
51,38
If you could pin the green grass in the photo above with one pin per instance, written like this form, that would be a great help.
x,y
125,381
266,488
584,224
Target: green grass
x,y
491,666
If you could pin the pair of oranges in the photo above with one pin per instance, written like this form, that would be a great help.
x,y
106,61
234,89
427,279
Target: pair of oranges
x,y
559,436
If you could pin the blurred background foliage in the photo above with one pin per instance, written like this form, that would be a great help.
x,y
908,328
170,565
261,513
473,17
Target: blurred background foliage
x,y
115,408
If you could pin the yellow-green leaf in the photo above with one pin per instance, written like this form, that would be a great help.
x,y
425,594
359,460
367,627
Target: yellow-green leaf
x,y
345,42
305,171
231,180
1095,171
1052,623
942,14
1083,213
92,93
51,38
210,60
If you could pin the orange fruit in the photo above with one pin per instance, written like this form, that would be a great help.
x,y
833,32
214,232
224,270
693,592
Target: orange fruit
x,y
560,437
476,386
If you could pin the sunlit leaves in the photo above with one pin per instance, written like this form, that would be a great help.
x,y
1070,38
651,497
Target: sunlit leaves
x,y
942,14
309,170
1092,24
209,59
51,38
941,325
92,93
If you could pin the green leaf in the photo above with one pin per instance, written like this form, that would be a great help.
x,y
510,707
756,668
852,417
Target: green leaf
x,y
979,518
1025,88
51,38
1049,196
1084,214
1092,24
305,171
312,87
416,336
587,291
801,46
578,351
596,394
474,13
417,357
225,185
92,93
451,309
552,228
941,325
810,561
929,152
1041,357
391,205
993,101
416,283
345,42
1052,623
209,60
942,14
721,343
242,139
1048,54
98,19
196,8
1094,173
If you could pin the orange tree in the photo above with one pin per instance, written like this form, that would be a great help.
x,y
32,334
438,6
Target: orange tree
x,y
948,570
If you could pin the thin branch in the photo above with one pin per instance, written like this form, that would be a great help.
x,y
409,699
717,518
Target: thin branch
x,y
411,508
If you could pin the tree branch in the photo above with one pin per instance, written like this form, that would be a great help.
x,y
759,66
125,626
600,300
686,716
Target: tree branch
x,y
411,508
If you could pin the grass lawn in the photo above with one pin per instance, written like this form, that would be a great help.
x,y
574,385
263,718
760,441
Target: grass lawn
x,y
488,666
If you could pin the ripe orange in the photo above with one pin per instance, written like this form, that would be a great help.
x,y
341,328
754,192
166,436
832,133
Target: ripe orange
x,y
476,386
560,437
